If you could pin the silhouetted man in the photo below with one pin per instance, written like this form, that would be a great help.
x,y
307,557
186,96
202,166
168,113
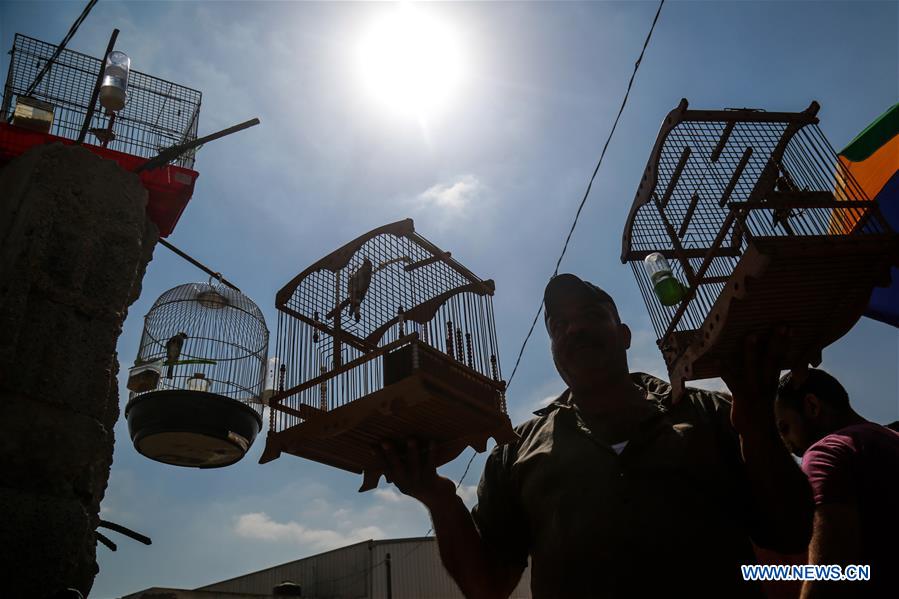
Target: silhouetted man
x,y
853,467
614,490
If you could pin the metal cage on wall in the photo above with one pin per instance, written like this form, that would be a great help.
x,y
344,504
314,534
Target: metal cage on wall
x,y
197,382
759,225
388,337
158,114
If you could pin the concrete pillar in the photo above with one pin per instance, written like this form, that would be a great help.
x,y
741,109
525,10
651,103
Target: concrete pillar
x,y
74,244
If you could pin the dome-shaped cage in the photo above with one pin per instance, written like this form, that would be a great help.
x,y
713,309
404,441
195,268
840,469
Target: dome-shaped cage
x,y
197,382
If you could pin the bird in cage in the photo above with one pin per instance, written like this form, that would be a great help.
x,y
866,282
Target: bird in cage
x,y
357,287
392,376
210,418
781,216
741,274
173,351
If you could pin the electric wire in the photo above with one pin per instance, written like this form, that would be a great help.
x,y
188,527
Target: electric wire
x,y
555,272
589,187
567,239
61,47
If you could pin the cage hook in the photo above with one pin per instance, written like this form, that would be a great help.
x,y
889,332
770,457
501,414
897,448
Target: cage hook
x,y
218,277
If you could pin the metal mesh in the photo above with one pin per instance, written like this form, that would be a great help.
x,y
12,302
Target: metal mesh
x,y
227,341
158,113
449,309
724,178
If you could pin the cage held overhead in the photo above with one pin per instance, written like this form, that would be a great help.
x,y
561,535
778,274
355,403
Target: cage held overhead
x,y
386,338
743,220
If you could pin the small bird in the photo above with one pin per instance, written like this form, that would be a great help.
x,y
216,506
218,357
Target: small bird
x,y
173,351
356,288
781,216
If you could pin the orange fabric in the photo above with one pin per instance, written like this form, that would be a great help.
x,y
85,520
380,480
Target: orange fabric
x,y
871,174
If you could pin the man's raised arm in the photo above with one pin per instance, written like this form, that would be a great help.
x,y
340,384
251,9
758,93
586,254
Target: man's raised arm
x,y
478,571
781,495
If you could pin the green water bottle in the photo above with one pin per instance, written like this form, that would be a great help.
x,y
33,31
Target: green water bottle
x,y
666,286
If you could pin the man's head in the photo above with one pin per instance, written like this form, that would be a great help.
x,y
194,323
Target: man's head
x,y
808,408
589,341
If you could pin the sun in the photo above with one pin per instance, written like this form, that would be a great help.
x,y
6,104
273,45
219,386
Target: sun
x,y
410,63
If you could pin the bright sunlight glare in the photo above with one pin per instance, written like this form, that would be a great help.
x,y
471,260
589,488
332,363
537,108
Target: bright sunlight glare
x,y
410,63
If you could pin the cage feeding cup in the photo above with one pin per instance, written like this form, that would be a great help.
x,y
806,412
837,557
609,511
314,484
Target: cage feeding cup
x,y
745,220
387,338
197,380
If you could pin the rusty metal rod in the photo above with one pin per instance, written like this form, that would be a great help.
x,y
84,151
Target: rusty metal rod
x,y
170,154
199,265
126,531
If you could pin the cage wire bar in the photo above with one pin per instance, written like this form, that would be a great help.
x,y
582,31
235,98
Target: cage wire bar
x,y
417,292
719,181
227,341
158,113
387,338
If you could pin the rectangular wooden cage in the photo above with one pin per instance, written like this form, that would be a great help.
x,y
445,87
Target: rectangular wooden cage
x,y
387,338
762,226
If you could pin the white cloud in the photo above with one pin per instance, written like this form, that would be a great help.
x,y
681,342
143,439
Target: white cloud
x,y
542,403
259,526
455,196
468,493
391,495
540,396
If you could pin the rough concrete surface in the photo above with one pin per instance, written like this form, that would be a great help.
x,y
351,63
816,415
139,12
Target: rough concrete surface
x,y
74,244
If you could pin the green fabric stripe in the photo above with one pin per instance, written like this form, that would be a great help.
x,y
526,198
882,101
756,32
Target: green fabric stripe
x,y
874,136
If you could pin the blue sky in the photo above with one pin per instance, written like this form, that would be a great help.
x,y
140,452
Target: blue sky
x,y
494,176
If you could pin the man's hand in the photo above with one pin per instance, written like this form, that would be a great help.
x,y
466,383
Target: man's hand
x,y
753,383
412,469
414,472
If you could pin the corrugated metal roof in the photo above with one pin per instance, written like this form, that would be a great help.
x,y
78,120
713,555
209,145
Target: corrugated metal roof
x,y
359,571
339,573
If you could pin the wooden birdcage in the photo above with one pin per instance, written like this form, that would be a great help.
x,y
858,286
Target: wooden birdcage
x,y
762,227
387,338
197,382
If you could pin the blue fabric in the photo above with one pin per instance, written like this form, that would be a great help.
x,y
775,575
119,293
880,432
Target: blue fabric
x,y
884,304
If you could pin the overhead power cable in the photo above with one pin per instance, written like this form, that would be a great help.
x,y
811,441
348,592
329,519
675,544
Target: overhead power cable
x,y
62,45
415,547
577,215
589,187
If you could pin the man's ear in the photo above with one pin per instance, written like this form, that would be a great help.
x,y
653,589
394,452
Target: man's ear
x,y
625,332
811,405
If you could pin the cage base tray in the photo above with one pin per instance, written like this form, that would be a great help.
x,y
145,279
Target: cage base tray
x,y
420,406
817,286
191,428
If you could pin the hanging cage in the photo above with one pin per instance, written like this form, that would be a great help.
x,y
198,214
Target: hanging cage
x,y
386,338
197,382
744,220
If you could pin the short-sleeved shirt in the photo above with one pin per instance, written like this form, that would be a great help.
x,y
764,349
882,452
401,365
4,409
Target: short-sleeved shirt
x,y
668,516
859,465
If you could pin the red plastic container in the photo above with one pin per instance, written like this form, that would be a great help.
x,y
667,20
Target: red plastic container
x,y
170,187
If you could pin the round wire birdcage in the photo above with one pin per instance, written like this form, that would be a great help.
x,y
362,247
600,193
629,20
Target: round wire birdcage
x,y
196,385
